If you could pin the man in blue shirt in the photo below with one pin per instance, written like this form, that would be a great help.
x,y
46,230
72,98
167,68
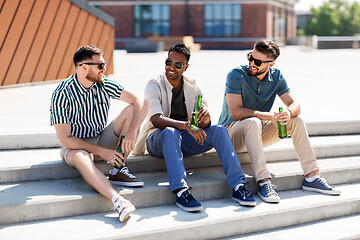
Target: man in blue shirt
x,y
249,96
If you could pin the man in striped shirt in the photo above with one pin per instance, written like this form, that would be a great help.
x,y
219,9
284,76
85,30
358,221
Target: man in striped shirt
x,y
79,112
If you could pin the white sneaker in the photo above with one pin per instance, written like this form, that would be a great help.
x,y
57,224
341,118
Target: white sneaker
x,y
124,209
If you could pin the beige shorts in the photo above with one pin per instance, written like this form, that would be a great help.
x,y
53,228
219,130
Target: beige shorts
x,y
106,139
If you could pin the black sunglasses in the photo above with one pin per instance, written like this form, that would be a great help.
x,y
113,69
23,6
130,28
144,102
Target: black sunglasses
x,y
256,61
100,65
169,62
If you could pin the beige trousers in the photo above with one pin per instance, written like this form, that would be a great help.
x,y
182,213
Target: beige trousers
x,y
251,135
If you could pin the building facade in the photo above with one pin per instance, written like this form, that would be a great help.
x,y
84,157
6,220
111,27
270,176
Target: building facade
x,y
226,24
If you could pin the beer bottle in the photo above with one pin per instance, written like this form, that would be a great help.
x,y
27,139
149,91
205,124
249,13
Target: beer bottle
x,y
118,165
195,113
282,128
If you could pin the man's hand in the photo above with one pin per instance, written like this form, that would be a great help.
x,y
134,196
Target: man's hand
x,y
112,157
196,132
204,116
128,143
283,117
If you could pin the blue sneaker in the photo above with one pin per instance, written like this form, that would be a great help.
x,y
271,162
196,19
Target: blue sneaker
x,y
243,197
188,203
268,194
320,185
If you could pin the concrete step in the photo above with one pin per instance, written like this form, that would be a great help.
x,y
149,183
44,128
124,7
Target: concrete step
x,y
33,140
220,218
40,164
334,229
38,200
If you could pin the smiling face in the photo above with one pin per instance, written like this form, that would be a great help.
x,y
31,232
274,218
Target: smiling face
x,y
172,73
260,71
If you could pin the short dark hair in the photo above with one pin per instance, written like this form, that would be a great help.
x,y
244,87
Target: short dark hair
x,y
86,53
181,48
267,47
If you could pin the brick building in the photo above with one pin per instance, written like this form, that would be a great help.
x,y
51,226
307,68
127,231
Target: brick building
x,y
225,24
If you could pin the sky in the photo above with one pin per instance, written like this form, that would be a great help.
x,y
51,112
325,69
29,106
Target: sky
x,y
305,5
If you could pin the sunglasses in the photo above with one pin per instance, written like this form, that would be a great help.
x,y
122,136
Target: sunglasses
x,y
100,65
256,61
169,62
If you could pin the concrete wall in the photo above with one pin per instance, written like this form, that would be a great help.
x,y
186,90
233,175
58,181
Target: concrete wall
x,y
39,37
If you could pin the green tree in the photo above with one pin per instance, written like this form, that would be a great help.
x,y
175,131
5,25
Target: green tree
x,y
335,18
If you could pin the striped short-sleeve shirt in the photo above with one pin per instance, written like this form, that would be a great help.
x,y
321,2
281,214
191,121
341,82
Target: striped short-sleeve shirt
x,y
86,110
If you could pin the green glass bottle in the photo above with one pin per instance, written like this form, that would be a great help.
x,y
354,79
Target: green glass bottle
x,y
282,128
118,165
195,113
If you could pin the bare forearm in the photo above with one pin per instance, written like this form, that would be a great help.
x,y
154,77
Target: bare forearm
x,y
294,109
243,113
140,111
159,121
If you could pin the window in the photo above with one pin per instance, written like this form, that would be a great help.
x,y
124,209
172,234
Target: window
x,y
151,20
222,20
281,21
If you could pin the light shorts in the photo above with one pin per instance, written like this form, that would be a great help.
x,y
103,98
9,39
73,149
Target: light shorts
x,y
106,139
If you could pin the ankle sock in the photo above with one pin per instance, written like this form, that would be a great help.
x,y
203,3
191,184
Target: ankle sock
x,y
116,197
263,183
115,170
238,186
311,179
181,192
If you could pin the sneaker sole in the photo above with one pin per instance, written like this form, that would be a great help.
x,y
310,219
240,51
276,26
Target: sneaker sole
x,y
245,203
189,209
125,214
128,184
269,200
328,192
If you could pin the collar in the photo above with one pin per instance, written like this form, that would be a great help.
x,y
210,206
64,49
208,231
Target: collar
x,y
80,87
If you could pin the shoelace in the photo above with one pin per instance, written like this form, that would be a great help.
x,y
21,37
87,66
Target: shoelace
x,y
118,205
246,192
125,171
270,189
187,196
323,182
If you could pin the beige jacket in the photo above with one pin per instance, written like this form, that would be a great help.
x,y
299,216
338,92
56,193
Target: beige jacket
x,y
158,93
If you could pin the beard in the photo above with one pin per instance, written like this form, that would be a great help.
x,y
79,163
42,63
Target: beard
x,y
93,77
256,73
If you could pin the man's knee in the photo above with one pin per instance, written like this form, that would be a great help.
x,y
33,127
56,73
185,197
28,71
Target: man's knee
x,y
170,132
128,112
248,125
219,129
79,158
296,125
297,122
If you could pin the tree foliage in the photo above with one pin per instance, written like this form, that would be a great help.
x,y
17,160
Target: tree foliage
x,y
335,18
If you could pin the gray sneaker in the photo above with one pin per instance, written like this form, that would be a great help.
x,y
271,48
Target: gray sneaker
x,y
320,185
268,194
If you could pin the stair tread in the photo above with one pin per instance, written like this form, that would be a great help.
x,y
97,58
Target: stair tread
x,y
36,157
325,229
214,221
68,189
